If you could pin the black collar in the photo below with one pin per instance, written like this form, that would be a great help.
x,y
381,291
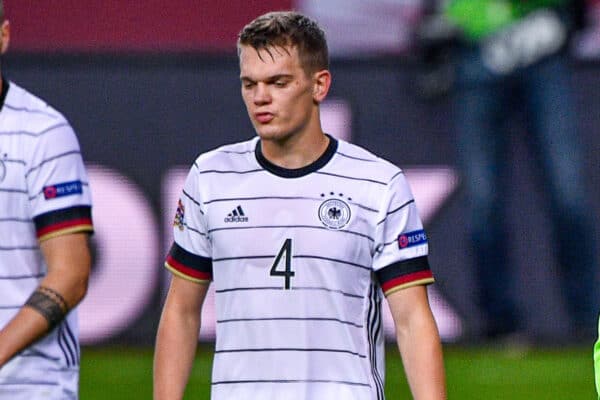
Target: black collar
x,y
4,92
297,172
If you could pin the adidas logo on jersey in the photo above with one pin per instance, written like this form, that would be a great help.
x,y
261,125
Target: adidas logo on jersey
x,y
237,215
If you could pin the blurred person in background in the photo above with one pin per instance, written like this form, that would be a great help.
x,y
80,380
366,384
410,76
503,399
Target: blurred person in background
x,y
45,221
302,235
511,56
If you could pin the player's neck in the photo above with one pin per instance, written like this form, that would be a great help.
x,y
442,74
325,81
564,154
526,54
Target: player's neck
x,y
297,151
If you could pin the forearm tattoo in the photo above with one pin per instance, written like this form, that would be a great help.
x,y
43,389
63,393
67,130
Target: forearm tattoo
x,y
50,304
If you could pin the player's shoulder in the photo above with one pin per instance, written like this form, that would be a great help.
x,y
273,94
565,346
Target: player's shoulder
x,y
359,159
233,155
30,111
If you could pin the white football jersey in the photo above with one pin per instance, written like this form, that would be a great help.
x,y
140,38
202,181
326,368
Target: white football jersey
x,y
298,259
43,193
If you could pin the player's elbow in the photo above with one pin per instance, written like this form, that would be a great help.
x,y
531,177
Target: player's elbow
x,y
80,281
80,289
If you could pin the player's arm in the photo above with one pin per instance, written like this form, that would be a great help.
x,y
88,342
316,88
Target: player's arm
x,y
419,342
69,263
177,337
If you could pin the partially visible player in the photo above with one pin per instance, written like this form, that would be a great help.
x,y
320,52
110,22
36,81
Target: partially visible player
x,y
45,221
597,361
300,234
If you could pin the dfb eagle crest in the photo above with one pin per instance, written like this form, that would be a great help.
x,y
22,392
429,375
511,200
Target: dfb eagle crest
x,y
334,213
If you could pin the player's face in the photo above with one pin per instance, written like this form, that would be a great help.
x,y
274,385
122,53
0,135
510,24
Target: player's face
x,y
279,95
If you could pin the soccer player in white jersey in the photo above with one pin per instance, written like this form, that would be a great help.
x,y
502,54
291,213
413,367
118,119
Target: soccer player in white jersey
x,y
45,221
597,362
300,234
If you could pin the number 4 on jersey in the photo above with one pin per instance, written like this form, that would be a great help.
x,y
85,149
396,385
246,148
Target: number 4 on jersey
x,y
284,257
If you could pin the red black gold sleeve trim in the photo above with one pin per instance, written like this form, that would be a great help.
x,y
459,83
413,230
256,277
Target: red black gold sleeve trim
x,y
405,274
61,222
188,266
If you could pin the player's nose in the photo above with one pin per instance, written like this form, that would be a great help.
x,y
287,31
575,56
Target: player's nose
x,y
261,94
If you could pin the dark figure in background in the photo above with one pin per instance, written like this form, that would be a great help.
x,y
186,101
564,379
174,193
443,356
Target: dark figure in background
x,y
510,54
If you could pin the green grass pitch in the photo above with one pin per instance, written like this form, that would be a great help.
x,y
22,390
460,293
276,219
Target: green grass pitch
x,y
473,373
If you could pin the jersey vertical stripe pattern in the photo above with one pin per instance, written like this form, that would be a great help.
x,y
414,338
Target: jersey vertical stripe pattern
x,y
43,193
298,259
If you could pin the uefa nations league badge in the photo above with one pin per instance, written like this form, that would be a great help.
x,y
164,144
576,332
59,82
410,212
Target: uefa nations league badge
x,y
334,213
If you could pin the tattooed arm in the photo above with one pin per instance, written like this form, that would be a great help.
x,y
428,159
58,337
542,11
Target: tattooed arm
x,y
69,262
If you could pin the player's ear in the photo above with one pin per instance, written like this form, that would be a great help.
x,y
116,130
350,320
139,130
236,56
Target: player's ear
x,y
321,84
4,36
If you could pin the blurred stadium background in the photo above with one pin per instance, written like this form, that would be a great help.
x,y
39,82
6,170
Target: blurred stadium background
x,y
150,85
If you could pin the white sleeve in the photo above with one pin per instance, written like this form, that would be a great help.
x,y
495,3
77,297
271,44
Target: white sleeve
x,y
400,258
57,183
56,176
191,252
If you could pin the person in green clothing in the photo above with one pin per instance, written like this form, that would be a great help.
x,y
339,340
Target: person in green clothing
x,y
511,55
493,15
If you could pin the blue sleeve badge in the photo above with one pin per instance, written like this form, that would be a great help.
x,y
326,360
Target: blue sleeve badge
x,y
62,189
410,239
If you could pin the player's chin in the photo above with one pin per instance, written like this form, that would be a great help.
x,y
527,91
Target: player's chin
x,y
268,133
